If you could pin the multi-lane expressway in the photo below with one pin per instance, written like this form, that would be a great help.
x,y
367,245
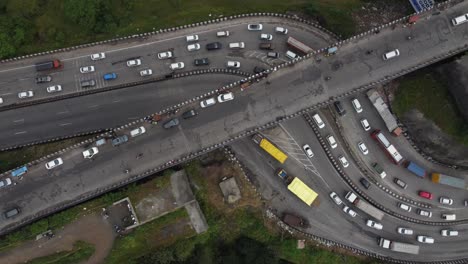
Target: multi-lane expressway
x,y
285,92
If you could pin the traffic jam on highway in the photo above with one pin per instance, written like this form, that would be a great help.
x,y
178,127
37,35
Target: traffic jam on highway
x,y
421,195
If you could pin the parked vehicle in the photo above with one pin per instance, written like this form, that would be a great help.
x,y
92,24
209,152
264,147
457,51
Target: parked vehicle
x,y
460,20
426,195
146,72
19,171
233,64
415,169
214,46
208,102
254,27
339,108
349,211
448,180
134,63
177,66
193,47
189,114
87,83
331,140
266,46
391,54
11,213
400,183
201,62
357,105
363,148
98,56
266,36
5,182
171,123
225,97
365,124
308,150
224,33
270,148
43,79
89,153
237,45
281,30
404,207
273,55
87,69
343,161
379,170
110,76
119,140
192,38
365,183
27,94
54,88
165,55
54,163
445,200
449,217
336,198
138,131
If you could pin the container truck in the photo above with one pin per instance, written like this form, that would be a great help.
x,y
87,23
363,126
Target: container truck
x,y
298,46
364,206
270,148
415,168
448,180
398,246
48,65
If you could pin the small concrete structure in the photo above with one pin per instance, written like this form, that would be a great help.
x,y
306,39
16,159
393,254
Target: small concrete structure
x,y
230,190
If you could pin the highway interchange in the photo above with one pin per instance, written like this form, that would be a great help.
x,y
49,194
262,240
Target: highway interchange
x,y
284,92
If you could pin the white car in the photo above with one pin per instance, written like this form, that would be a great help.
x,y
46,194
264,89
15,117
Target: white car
x,y
26,94
363,148
233,64
446,232
281,30
208,102
374,224
308,150
391,54
87,69
89,153
1,100
191,38
336,198
349,211
54,88
460,20
134,63
445,200
365,124
177,66
222,33
404,207
165,55
54,163
5,182
193,47
225,97
426,239
138,131
424,213
343,161
405,231
98,56
357,105
146,72
266,36
332,141
254,27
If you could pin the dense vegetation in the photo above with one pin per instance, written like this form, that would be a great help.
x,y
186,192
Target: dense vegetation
x,y
81,252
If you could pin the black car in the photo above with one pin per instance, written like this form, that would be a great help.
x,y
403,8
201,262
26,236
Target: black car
x,y
201,62
339,108
258,70
365,183
43,79
88,83
189,114
213,46
11,213
171,123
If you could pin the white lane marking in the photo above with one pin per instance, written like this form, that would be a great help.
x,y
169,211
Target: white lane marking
x,y
61,113
93,106
133,118
65,124
19,120
116,101
22,132
5,94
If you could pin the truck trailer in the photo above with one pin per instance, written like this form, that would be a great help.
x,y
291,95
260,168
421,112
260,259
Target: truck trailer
x,y
398,246
415,169
448,180
270,148
48,65
364,206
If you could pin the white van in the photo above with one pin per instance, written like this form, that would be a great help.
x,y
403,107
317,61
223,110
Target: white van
x,y
318,121
237,45
391,54
291,55
136,132
449,217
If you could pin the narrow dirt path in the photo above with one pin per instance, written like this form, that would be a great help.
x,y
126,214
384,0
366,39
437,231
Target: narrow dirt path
x,y
90,228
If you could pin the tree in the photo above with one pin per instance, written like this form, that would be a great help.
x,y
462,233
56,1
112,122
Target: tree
x,y
25,8
6,47
82,12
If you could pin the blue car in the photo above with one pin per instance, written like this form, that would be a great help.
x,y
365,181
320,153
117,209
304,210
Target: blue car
x,y
110,76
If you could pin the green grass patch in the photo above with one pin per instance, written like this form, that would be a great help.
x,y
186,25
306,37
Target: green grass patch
x,y
81,252
336,15
146,238
15,158
428,94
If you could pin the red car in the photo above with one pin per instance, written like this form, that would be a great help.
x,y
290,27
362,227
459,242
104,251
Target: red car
x,y
425,194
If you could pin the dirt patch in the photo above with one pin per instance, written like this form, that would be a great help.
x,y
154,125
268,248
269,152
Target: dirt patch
x,y
90,228
155,204
378,12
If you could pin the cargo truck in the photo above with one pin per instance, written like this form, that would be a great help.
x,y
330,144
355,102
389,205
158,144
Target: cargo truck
x,y
302,191
448,180
398,246
364,206
415,168
270,148
48,65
